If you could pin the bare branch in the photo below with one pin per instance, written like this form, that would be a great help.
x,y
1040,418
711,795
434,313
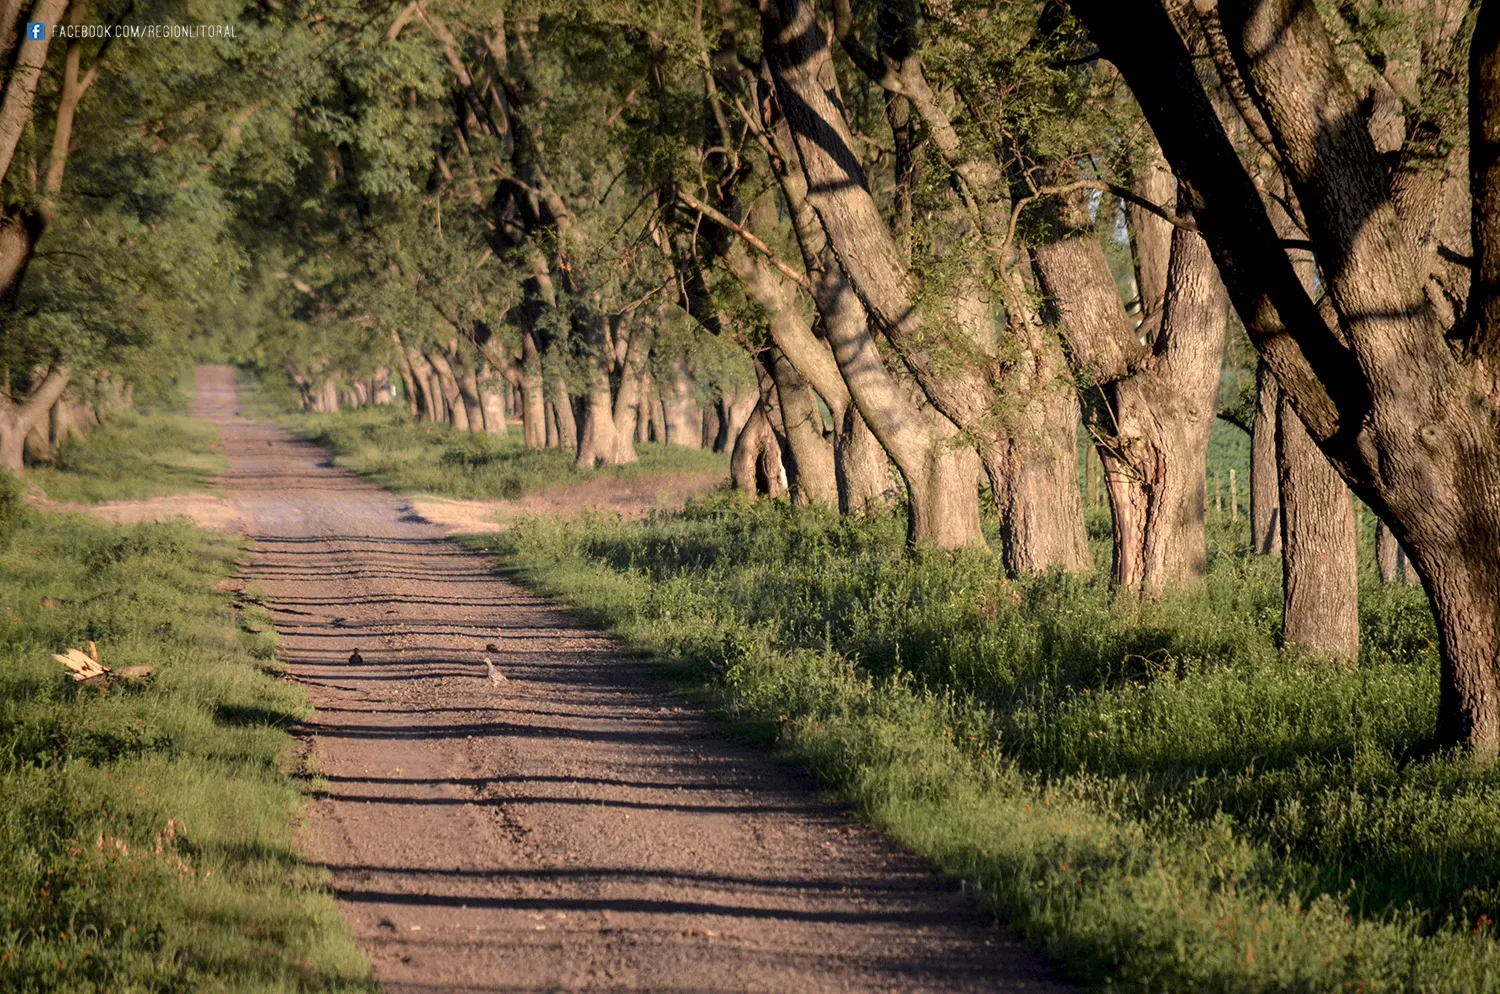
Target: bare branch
x,y
719,218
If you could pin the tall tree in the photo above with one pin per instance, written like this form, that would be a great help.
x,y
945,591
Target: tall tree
x,y
1392,376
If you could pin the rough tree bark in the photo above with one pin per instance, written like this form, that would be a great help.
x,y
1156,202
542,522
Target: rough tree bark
x,y
1320,612
808,458
1265,495
1399,395
939,471
855,481
1158,400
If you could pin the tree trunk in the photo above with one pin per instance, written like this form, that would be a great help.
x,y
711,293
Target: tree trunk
x,y
553,440
1320,615
17,420
811,363
562,410
457,408
422,371
1164,414
628,396
949,346
861,469
809,459
751,468
684,422
1036,479
534,420
597,442
723,433
18,235
468,390
1265,496
646,405
1391,557
414,399
1388,552
381,392
21,82
922,443
738,408
710,425
492,390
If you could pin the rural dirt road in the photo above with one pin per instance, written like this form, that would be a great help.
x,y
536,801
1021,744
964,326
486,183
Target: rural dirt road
x,y
574,829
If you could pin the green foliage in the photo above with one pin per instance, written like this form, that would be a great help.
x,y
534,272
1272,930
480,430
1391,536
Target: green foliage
x,y
1150,790
146,832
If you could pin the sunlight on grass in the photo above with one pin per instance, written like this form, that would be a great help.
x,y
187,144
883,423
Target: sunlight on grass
x,y
1151,791
146,833
149,452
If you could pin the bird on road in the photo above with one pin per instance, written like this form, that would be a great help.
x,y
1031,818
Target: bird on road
x,y
355,658
496,677
491,647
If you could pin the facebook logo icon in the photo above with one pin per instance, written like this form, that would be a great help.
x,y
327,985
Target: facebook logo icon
x,y
35,30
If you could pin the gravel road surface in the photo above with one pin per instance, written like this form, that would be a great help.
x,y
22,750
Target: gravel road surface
x,y
573,829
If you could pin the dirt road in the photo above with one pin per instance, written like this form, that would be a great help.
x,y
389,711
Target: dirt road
x,y
572,829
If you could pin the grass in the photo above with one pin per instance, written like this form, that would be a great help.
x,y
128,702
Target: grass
x,y
146,832
1152,792
152,451
388,447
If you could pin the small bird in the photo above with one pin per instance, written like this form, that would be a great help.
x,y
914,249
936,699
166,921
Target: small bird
x,y
355,658
496,677
491,647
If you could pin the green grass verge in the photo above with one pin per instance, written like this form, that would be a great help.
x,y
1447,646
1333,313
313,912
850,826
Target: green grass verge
x,y
388,447
146,833
148,452
1152,793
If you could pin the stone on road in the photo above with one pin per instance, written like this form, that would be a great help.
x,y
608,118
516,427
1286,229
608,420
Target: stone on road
x,y
571,827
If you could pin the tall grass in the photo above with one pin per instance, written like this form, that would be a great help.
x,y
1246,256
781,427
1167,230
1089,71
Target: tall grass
x,y
1150,790
388,447
146,832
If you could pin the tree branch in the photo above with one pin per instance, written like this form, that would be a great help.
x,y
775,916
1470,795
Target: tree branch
x,y
717,217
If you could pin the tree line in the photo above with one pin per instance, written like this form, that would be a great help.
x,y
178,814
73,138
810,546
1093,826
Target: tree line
x,y
889,253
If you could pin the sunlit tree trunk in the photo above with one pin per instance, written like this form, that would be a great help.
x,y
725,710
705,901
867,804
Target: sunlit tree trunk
x,y
596,442
628,396
684,422
1320,615
447,383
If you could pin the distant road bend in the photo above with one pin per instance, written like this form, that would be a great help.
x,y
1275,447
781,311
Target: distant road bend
x,y
574,829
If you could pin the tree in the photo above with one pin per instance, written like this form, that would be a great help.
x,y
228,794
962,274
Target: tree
x,y
1392,375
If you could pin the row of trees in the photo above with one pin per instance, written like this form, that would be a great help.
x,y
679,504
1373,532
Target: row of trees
x,y
888,251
